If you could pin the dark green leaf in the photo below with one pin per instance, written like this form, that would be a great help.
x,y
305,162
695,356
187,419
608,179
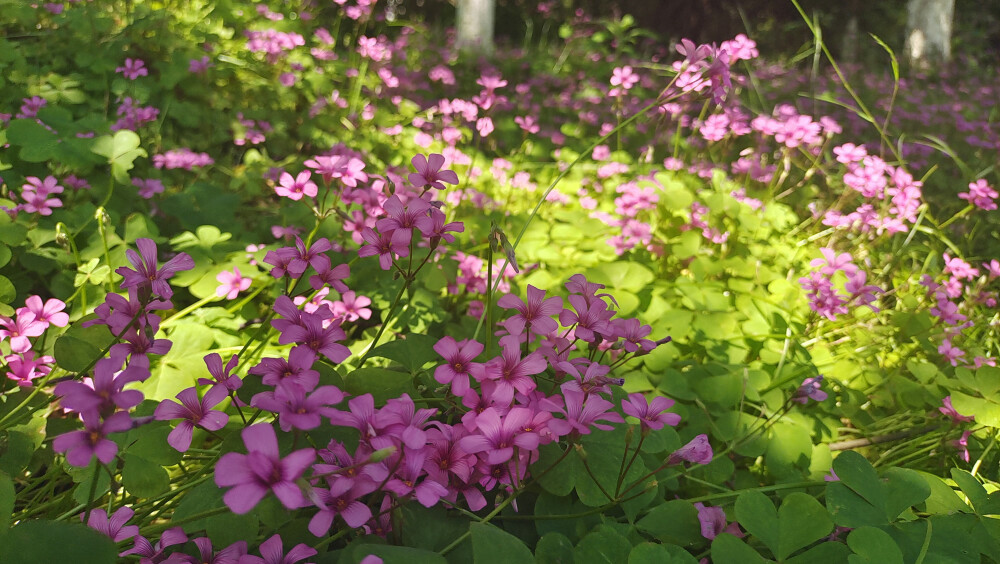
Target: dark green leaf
x,y
675,521
493,545
143,478
801,521
79,346
756,514
727,549
48,542
7,497
381,383
604,544
413,352
554,548
873,546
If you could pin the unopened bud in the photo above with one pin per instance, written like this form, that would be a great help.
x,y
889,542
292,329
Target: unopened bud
x,y
102,217
61,238
381,454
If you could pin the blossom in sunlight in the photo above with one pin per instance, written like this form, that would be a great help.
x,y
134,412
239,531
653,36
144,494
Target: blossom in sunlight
x,y
113,527
651,414
294,188
231,283
810,389
429,173
981,195
698,451
146,274
251,476
272,552
192,412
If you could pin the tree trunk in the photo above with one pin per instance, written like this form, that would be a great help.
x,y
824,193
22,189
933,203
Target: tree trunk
x,y
928,32
475,25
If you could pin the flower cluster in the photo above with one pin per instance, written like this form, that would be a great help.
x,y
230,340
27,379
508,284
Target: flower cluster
x,y
100,400
824,299
31,321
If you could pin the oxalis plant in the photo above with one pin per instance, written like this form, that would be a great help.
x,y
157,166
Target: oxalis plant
x,y
725,330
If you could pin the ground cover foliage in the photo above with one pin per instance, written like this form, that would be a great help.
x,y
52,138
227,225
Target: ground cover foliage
x,y
299,283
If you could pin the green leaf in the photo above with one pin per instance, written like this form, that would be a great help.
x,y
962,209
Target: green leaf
x,y
388,553
850,509
560,481
492,545
727,549
756,514
970,486
7,498
143,478
79,346
801,521
675,521
629,276
873,546
7,290
229,527
554,548
649,553
5,255
904,488
413,352
36,141
16,449
857,473
789,450
986,410
46,542
120,150
381,383
603,544
825,553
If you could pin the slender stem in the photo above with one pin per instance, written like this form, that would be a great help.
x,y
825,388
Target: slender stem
x,y
385,322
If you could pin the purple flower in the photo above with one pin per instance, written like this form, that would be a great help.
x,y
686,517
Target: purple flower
x,y
206,554
497,437
949,411
298,369
193,412
326,276
297,409
222,377
414,214
582,412
651,415
591,318
341,499
146,275
312,336
81,446
385,245
261,470
133,69
713,522
273,553
810,388
510,371
698,451
104,392
113,528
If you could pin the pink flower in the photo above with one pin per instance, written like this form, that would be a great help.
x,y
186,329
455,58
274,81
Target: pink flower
x,y
624,77
20,329
981,195
832,262
536,314
651,415
713,522
295,188
459,358
959,268
261,470
104,392
429,173
414,214
23,368
231,283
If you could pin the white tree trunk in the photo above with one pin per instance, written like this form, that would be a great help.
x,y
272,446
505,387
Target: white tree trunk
x,y
475,25
928,31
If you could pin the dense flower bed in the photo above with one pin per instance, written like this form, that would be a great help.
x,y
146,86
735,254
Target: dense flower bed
x,y
298,283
